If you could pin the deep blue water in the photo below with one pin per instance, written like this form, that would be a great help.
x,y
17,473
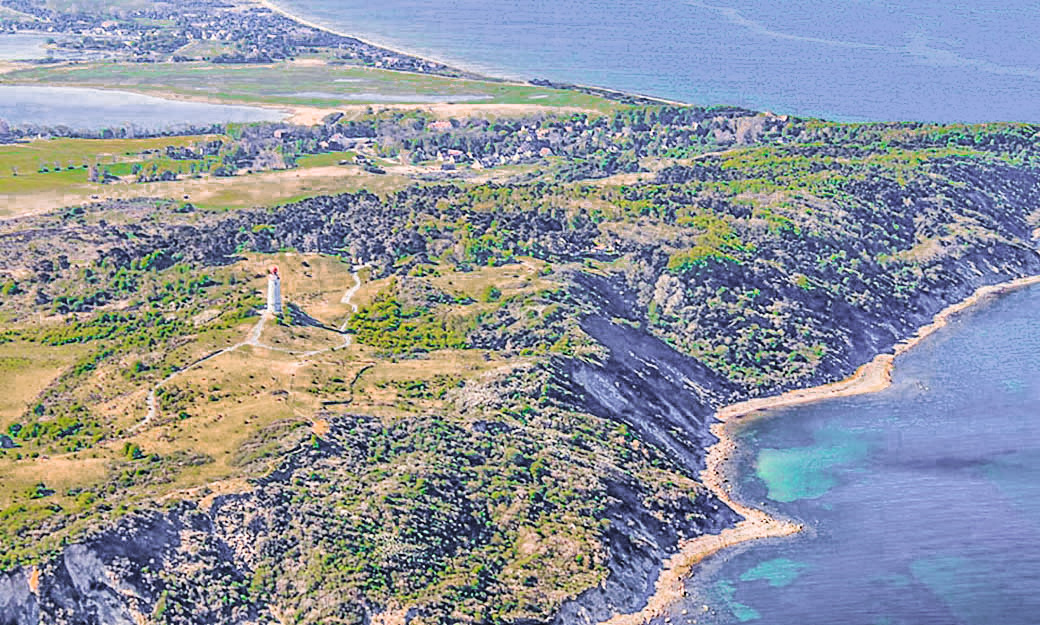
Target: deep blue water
x,y
93,109
850,60
923,500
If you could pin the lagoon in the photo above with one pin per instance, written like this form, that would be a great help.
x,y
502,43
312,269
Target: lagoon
x,y
23,46
96,109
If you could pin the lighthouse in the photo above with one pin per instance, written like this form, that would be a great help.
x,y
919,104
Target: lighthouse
x,y
274,292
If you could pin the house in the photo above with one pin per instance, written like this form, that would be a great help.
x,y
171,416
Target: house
x,y
340,142
451,156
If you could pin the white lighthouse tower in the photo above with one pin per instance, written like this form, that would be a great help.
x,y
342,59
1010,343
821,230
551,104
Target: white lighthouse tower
x,y
274,292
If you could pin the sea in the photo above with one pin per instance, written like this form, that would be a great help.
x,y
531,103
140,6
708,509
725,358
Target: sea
x,y
850,60
922,502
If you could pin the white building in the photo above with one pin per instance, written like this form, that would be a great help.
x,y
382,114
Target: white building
x,y
274,292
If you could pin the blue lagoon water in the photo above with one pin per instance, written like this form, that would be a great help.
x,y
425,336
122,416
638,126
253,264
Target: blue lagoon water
x,y
95,109
922,501
23,46
851,60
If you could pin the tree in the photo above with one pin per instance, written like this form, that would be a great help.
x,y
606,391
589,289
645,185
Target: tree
x,y
132,451
491,293
39,491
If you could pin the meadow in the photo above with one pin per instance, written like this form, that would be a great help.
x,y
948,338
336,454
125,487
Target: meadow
x,y
305,83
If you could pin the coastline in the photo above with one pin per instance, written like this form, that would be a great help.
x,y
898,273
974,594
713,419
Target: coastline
x,y
474,72
274,8
874,376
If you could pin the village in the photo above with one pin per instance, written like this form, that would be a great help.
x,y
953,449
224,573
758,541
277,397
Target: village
x,y
245,32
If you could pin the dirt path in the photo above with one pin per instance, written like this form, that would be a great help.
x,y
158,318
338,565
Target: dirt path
x,y
253,340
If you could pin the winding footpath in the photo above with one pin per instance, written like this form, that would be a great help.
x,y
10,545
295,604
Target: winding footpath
x,y
253,340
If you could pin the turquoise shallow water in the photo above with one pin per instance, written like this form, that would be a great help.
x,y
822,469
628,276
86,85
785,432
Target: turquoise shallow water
x,y
923,501
851,60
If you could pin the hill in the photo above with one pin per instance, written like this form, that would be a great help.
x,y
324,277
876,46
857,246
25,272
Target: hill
x,y
511,425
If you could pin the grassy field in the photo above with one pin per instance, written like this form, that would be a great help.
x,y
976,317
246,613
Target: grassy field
x,y
25,370
99,6
26,188
49,174
204,49
304,83
223,403
279,187
226,399
27,158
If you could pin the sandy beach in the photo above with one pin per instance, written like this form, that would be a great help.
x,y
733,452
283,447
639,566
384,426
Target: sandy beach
x,y
874,376
484,73
267,4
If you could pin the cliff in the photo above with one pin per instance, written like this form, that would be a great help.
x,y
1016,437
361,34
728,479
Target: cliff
x,y
545,481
